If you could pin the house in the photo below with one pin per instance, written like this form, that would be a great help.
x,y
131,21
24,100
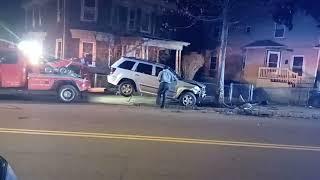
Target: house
x,y
268,54
104,29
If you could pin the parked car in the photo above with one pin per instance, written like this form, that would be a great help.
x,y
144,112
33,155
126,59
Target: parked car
x,y
135,75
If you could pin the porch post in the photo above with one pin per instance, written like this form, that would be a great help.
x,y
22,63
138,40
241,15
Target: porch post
x,y
122,50
142,52
109,55
147,52
157,58
177,61
180,64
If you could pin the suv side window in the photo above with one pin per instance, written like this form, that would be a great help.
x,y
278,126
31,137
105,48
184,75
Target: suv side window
x,y
158,70
144,68
8,57
127,65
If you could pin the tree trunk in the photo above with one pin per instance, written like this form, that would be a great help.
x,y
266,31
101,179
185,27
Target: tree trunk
x,y
223,51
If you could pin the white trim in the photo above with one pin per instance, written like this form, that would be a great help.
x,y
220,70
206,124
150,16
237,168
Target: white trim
x,y
59,40
316,71
274,52
303,63
275,29
82,18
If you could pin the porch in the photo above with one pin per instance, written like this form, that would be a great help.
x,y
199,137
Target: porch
x,y
268,76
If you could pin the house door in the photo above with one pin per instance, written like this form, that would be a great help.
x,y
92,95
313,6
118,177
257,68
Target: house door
x,y
297,65
273,59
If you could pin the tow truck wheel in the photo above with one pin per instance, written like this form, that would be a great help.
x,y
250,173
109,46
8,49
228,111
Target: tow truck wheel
x,y
67,93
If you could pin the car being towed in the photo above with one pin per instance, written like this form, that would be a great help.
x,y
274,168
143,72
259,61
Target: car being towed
x,y
135,75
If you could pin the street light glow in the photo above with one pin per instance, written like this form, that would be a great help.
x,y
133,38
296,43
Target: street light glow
x,y
32,49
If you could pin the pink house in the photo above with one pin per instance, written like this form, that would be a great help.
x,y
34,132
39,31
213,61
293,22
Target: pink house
x,y
267,54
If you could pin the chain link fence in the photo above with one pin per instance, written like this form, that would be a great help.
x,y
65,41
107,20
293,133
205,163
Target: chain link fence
x,y
233,93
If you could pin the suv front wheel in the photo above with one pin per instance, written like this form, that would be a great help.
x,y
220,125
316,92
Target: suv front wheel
x,y
126,88
188,99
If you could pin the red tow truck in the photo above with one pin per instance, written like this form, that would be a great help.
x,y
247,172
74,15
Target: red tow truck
x,y
19,75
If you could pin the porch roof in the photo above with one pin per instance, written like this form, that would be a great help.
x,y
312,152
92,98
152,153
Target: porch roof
x,y
264,43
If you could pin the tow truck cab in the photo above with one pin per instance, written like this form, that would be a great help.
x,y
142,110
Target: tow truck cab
x,y
16,73
13,72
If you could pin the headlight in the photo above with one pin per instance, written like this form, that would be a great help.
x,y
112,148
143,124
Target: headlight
x,y
32,49
196,89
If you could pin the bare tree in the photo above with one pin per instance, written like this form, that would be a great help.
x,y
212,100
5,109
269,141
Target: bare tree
x,y
227,13
191,63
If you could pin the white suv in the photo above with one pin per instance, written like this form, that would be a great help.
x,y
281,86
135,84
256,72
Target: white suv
x,y
134,75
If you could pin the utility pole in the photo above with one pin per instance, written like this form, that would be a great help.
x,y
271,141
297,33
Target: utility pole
x,y
223,50
64,31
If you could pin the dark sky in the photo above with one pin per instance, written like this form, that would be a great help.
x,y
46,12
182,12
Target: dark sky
x,y
12,16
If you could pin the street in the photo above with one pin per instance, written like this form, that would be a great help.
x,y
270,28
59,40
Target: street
x,y
45,140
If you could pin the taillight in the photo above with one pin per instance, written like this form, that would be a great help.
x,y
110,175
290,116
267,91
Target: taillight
x,y
112,70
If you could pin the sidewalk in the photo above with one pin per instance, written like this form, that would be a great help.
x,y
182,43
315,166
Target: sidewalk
x,y
276,111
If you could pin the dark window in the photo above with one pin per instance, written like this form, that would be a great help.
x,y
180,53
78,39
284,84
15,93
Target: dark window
x,y
132,18
144,68
89,10
248,29
8,57
90,3
279,31
127,65
146,22
297,66
213,63
158,70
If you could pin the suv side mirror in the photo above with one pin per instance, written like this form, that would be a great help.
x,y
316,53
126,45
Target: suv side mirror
x,y
6,172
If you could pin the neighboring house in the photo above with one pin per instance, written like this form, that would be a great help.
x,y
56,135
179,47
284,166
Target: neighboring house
x,y
267,54
104,29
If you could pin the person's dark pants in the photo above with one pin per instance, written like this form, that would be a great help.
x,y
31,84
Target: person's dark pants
x,y
162,93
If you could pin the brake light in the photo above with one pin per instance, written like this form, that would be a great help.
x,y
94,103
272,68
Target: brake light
x,y
112,70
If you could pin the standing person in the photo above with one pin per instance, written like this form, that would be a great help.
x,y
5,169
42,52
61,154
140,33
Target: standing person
x,y
165,77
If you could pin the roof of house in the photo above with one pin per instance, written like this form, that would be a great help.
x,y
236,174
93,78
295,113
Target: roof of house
x,y
264,43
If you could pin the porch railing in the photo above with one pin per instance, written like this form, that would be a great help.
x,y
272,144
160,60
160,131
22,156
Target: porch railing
x,y
284,75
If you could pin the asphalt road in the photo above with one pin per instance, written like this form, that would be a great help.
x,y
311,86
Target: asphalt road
x,y
45,141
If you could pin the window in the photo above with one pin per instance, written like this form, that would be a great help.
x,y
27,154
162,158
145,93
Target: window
x,y
144,68
8,57
213,63
297,65
132,19
89,10
123,16
273,59
279,31
59,10
127,65
146,22
158,70
58,48
36,16
248,29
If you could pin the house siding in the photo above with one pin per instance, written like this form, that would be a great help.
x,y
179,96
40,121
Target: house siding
x,y
300,41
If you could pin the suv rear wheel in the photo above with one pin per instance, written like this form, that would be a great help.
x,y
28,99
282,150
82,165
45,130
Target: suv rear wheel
x,y
188,99
126,88
67,93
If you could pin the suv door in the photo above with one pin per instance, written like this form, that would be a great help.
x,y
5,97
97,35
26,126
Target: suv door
x,y
12,70
146,81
